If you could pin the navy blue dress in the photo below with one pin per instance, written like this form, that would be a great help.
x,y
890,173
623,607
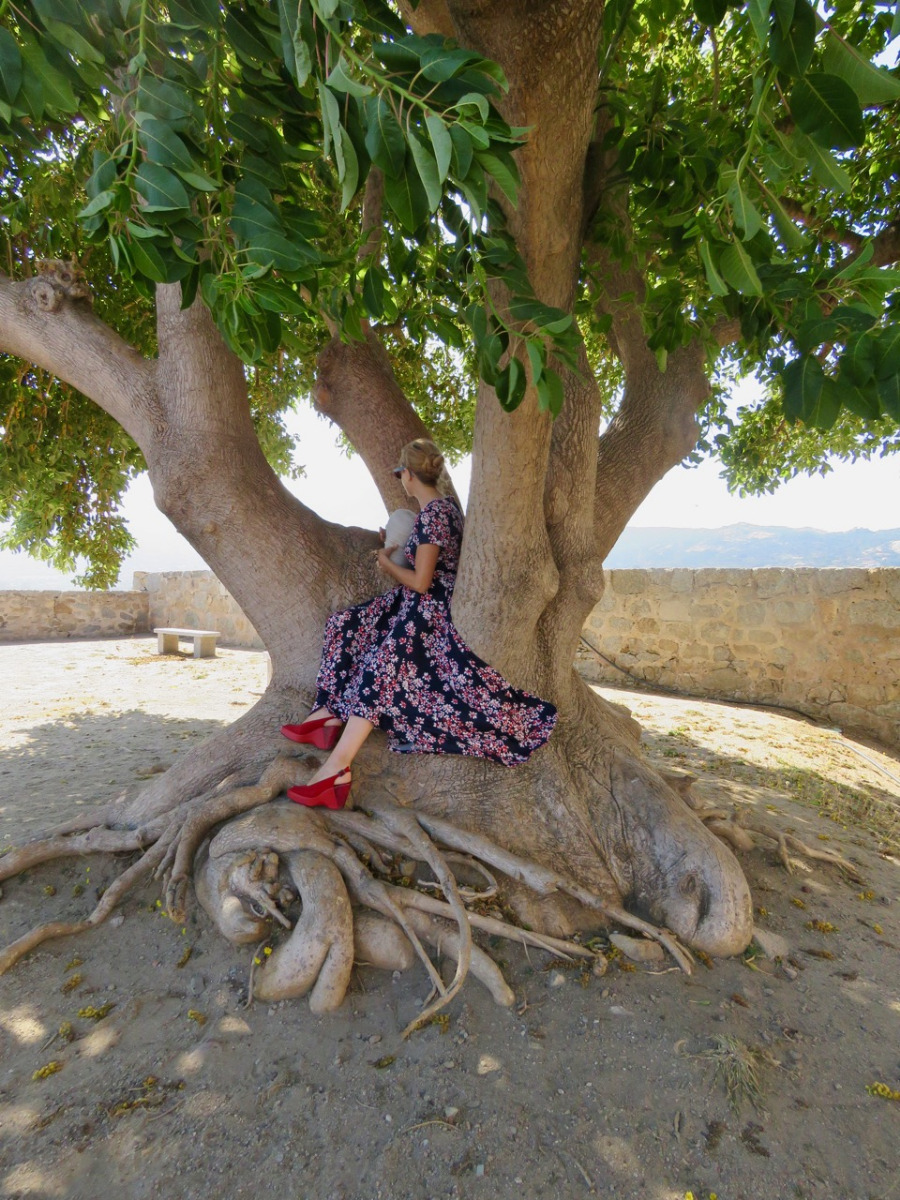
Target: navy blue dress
x,y
399,662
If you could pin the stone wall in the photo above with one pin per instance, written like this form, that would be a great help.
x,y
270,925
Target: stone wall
x,y
196,600
28,616
824,642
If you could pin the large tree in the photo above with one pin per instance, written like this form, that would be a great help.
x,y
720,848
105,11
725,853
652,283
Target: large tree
x,y
554,228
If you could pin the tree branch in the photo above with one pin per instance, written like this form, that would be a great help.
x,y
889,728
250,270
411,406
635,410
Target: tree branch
x,y
655,425
886,244
48,321
356,388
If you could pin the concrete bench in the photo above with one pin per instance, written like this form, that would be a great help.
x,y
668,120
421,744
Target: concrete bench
x,y
204,641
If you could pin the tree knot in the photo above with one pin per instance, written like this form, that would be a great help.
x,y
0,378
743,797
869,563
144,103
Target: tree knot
x,y
58,280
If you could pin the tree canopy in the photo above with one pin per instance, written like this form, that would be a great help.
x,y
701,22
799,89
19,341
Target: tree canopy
x,y
314,168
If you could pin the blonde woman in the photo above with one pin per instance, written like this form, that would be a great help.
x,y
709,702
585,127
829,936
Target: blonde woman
x,y
398,663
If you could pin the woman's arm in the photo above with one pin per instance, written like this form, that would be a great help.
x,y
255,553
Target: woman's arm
x,y
419,577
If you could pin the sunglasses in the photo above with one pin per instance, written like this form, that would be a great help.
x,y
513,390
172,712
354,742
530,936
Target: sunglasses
x,y
397,472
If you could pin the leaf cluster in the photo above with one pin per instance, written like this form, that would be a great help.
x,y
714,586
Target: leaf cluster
x,y
754,154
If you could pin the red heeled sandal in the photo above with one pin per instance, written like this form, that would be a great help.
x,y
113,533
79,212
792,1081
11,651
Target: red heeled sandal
x,y
327,793
316,733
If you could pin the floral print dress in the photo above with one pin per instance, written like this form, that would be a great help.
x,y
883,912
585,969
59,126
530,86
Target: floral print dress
x,y
399,662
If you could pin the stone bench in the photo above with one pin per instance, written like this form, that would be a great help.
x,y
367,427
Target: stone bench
x,y
204,641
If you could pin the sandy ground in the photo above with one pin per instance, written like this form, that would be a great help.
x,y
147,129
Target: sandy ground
x,y
612,1086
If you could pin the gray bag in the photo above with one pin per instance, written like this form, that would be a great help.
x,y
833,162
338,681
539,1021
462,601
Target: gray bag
x,y
396,533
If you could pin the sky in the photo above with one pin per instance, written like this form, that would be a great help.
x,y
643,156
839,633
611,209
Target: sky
x,y
860,495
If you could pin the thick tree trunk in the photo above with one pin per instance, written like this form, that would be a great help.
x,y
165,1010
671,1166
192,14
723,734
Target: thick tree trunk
x,y
602,832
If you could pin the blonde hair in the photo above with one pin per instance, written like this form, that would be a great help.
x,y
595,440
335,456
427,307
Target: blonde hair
x,y
425,461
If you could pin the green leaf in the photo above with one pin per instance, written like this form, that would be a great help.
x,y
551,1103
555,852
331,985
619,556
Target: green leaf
x,y
818,331
10,66
510,385
857,262
889,396
160,188
550,393
161,144
887,352
872,85
826,169
803,379
857,363
384,138
165,100
331,121
443,146
73,41
428,171
56,89
275,250
791,49
792,236
463,151
373,293
535,353
302,60
746,214
480,138
710,13
824,413
103,175
248,39
406,196
895,24
325,8
350,178
474,100
148,260
440,63
341,80
503,170
200,181
739,271
759,19
826,108
100,203
717,284
862,402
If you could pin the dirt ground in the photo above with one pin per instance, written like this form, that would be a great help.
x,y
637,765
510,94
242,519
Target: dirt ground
x,y
747,1080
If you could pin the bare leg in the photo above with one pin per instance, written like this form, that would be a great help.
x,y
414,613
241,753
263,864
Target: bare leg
x,y
338,761
324,712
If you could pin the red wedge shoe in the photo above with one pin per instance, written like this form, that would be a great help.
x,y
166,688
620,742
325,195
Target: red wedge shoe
x,y
316,733
327,793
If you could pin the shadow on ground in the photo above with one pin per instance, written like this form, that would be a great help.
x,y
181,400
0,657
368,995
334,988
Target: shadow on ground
x,y
868,807
56,767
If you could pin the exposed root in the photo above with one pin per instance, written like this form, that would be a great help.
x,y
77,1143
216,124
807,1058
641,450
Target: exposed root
x,y
135,874
787,842
736,827
402,821
447,940
95,841
283,773
319,953
545,882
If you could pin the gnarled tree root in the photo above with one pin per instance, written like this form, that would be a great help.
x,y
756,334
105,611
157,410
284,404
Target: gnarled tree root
x,y
333,859
737,828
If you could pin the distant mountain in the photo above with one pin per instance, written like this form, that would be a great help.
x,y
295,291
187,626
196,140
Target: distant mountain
x,y
755,546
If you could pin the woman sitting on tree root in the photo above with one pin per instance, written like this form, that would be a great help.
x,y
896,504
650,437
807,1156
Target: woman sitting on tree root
x,y
398,662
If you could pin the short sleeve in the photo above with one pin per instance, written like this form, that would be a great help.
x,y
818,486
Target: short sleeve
x,y
434,526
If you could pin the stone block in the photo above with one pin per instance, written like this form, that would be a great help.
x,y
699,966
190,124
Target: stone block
x,y
835,581
628,583
793,612
751,614
883,615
